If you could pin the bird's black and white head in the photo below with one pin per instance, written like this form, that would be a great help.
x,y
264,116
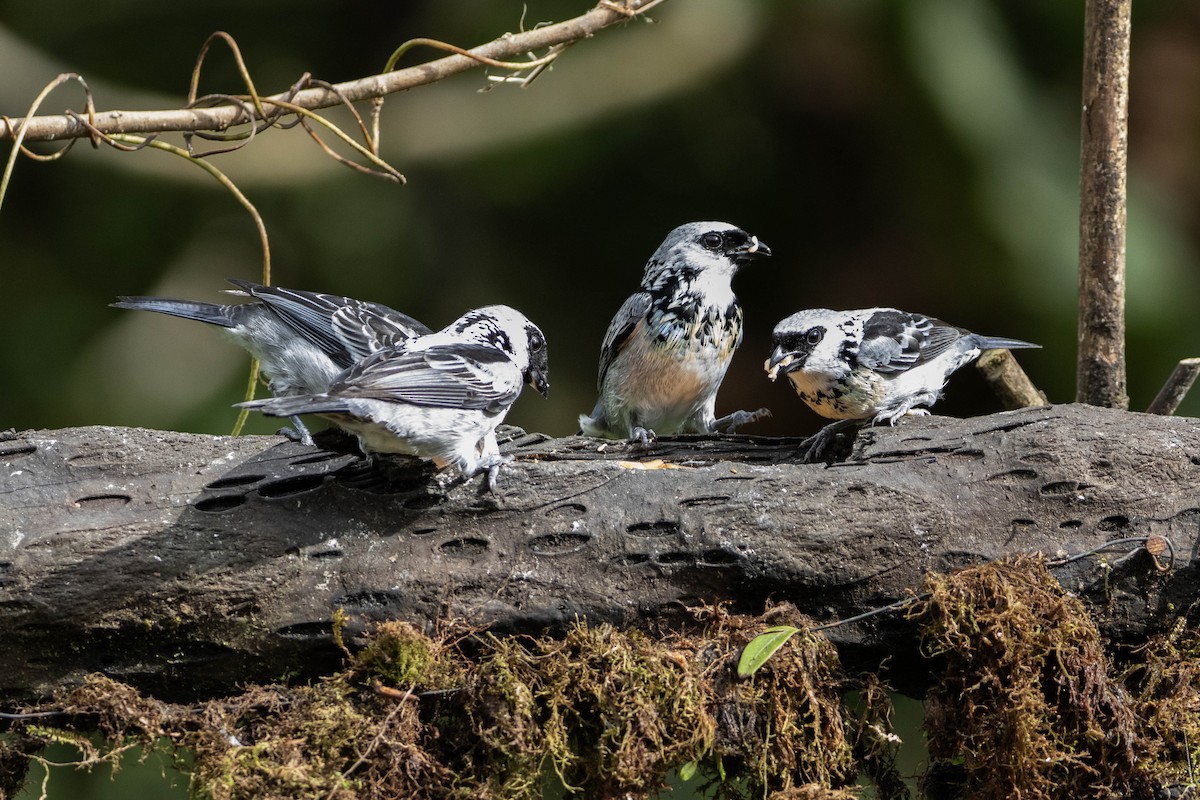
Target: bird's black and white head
x,y
510,331
808,339
699,249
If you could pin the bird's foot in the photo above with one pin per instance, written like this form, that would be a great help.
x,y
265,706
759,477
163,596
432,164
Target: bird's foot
x,y
829,443
731,422
491,464
297,432
891,418
642,436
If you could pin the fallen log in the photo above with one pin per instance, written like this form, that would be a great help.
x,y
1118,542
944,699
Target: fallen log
x,y
189,565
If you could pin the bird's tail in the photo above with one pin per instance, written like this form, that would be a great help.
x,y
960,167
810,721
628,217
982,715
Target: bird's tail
x,y
297,404
211,313
1001,343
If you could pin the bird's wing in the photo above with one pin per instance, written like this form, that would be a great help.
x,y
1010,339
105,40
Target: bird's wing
x,y
458,375
363,328
345,329
894,341
631,313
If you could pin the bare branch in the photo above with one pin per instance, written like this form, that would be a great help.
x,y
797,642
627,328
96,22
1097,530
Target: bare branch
x,y
1176,387
1010,383
222,117
1101,366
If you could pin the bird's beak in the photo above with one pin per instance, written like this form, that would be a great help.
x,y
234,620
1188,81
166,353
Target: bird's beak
x,y
752,250
779,360
538,380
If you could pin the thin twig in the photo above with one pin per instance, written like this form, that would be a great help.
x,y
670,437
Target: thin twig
x,y
1176,387
398,53
220,118
362,759
30,715
18,147
241,65
899,605
221,178
384,169
251,385
123,141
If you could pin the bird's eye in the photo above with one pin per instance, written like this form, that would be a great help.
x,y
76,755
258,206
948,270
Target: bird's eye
x,y
711,240
815,336
536,344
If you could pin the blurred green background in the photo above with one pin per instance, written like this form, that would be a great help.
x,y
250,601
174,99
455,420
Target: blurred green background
x,y
922,154
916,153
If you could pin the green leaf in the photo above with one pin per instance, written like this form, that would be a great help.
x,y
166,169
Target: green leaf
x,y
762,647
688,771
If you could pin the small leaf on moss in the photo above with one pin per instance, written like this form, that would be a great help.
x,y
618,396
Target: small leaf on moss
x,y
762,647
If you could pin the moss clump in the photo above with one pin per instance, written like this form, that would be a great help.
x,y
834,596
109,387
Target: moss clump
x,y
623,710
1025,700
814,791
1166,688
358,734
613,712
398,655
608,710
1026,706
15,751
468,716
785,726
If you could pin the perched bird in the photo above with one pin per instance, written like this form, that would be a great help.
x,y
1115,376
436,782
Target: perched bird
x,y
302,340
440,395
666,351
874,364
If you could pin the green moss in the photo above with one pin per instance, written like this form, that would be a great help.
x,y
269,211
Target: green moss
x,y
398,655
1166,688
468,716
1025,700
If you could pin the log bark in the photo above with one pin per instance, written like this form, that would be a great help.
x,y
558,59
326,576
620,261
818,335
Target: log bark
x,y
189,565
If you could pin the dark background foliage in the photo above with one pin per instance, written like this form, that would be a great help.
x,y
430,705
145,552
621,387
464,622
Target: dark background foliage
x,y
922,154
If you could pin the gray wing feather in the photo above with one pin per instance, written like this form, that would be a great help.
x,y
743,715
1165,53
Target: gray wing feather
x,y
627,317
894,341
345,329
363,328
443,376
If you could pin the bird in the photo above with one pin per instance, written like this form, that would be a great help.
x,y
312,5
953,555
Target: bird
x,y
302,340
440,395
667,349
872,364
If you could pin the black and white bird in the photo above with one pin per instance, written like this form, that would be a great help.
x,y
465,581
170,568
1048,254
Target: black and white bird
x,y
667,349
302,340
874,364
440,395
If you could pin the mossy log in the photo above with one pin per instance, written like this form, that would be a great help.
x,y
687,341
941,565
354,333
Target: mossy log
x,y
189,565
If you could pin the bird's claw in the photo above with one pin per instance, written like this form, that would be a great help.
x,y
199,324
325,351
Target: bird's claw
x,y
491,465
829,443
731,422
642,436
297,432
